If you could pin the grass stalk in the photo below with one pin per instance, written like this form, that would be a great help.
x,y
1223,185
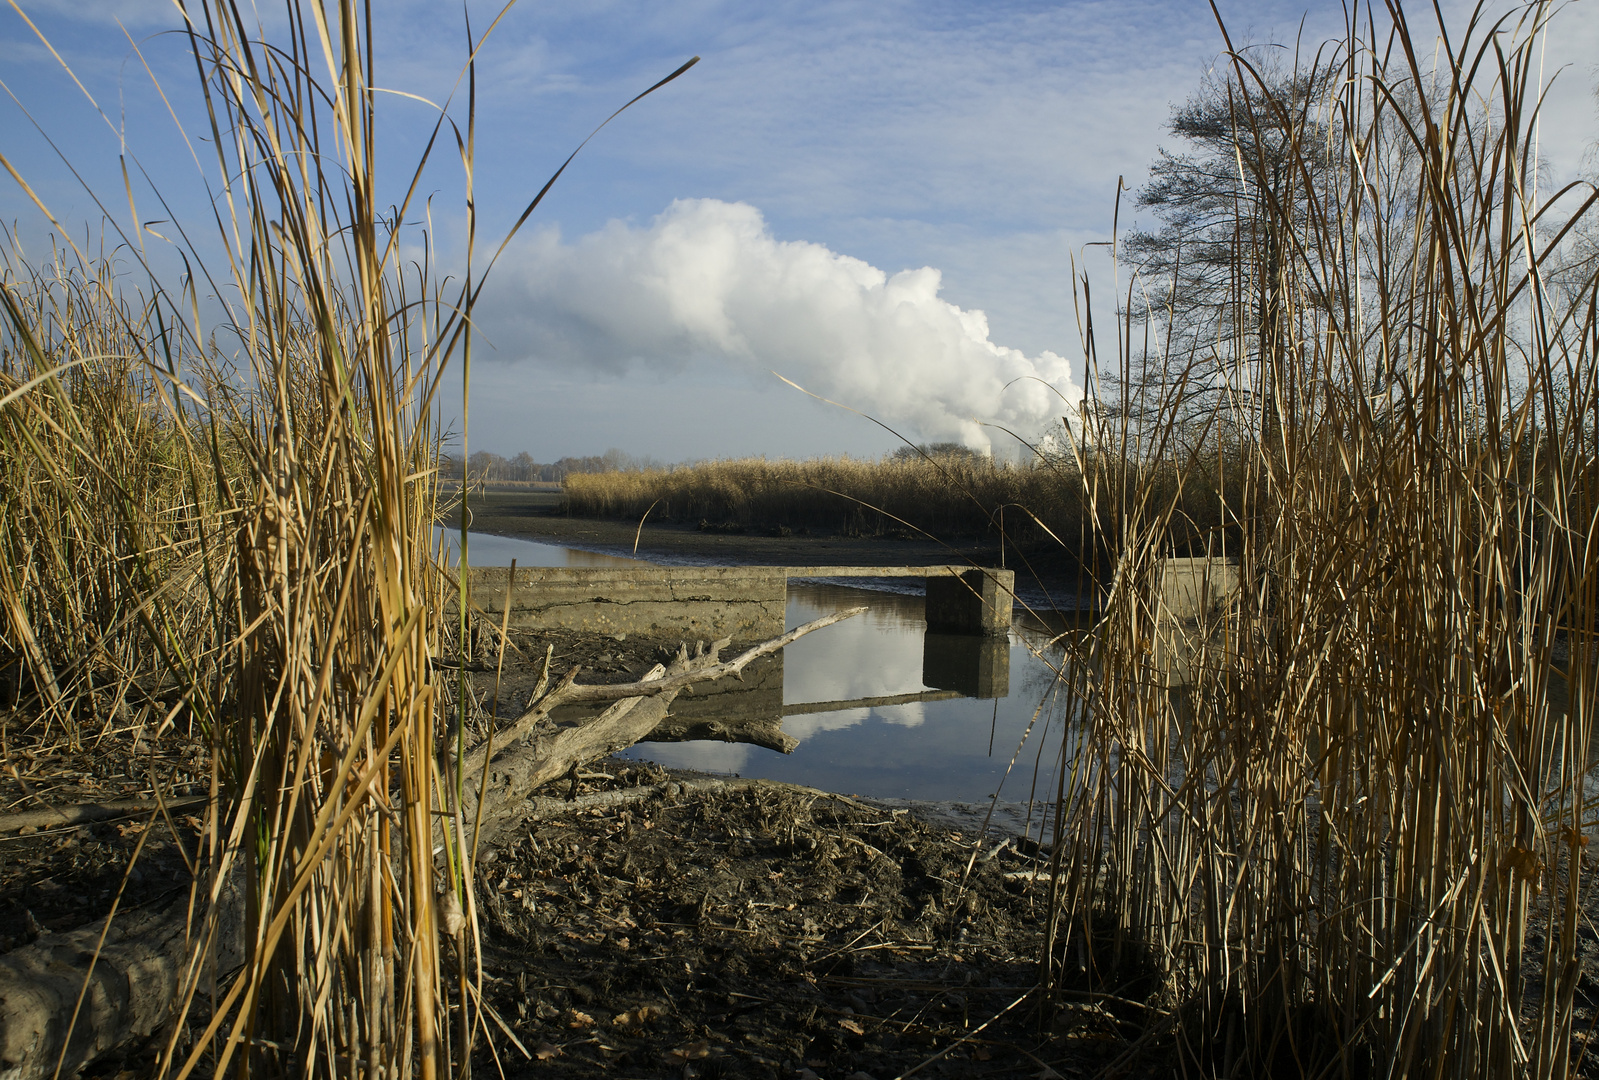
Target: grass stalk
x,y
1351,844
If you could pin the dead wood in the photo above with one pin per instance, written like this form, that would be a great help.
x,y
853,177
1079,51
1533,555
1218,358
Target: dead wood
x,y
766,731
51,817
132,977
528,754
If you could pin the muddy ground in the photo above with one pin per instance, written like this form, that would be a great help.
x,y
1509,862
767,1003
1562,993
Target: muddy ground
x,y
645,924
756,930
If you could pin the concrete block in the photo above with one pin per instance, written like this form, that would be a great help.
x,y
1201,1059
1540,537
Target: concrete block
x,y
1194,599
1196,588
974,602
686,602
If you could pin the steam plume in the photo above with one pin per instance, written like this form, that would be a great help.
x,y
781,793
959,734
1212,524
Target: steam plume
x,y
707,281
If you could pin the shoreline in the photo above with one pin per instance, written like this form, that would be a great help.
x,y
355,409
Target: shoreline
x,y
1046,577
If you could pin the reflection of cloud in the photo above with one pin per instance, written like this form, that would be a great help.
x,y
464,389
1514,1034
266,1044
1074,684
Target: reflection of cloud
x,y
803,727
716,757
911,714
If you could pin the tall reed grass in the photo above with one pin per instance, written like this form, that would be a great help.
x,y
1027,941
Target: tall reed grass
x,y
102,500
941,496
1354,844
235,506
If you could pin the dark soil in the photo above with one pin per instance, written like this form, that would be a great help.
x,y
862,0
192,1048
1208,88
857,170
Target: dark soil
x,y
59,879
759,930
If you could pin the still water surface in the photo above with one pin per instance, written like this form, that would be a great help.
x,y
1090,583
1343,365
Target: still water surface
x,y
945,746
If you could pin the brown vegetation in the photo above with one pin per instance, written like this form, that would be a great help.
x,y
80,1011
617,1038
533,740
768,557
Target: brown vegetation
x,y
1354,845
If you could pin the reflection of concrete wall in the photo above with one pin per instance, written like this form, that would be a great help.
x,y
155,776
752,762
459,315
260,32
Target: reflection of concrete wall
x,y
660,601
728,709
975,602
974,666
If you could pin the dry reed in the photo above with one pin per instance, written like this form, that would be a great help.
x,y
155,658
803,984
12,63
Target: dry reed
x,y
251,529
942,496
1328,852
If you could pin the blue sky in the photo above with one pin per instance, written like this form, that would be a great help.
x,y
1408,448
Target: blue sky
x,y
880,200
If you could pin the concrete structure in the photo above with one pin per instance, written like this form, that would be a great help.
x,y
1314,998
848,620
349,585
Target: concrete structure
x,y
973,602
1193,600
745,603
704,603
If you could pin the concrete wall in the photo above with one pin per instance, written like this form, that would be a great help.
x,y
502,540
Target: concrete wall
x,y
974,602
1194,598
688,602
709,602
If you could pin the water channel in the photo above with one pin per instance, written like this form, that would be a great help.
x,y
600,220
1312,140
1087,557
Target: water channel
x,y
957,710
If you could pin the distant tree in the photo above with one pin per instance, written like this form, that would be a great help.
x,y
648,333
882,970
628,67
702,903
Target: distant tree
x,y
1227,207
487,466
951,450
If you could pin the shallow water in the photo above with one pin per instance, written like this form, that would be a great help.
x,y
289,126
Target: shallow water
x,y
950,745
484,549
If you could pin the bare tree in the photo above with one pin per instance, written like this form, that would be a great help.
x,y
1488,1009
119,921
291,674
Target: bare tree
x,y
1227,207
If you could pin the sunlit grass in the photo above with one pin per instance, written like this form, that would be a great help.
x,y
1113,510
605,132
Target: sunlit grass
x,y
1327,854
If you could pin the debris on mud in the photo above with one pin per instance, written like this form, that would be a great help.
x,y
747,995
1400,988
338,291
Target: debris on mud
x,y
659,926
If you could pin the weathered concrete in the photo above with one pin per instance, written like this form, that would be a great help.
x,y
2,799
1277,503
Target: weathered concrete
x,y
1196,588
692,602
971,665
710,602
1194,599
974,602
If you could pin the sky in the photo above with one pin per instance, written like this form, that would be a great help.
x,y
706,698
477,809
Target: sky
x,y
880,202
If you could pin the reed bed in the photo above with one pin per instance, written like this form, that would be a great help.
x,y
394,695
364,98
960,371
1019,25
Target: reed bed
x,y
1353,843
238,506
103,504
944,496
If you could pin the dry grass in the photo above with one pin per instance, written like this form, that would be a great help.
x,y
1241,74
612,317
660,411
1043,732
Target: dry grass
x,y
251,527
103,502
941,496
1326,856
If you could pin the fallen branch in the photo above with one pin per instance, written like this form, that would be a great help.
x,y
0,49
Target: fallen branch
x,y
611,692
522,763
51,817
137,972
763,731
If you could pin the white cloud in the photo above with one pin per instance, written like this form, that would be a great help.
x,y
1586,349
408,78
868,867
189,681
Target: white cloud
x,y
707,281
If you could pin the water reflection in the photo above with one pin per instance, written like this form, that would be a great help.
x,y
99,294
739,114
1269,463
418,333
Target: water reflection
x,y
484,549
879,707
883,709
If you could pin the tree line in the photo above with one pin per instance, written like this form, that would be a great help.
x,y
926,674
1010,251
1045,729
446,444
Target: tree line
x,y
489,467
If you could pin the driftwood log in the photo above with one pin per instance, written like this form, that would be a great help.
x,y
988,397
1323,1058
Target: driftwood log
x,y
70,998
53,817
126,976
529,753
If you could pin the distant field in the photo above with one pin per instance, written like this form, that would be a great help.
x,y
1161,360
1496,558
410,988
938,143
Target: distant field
x,y
944,498
950,499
